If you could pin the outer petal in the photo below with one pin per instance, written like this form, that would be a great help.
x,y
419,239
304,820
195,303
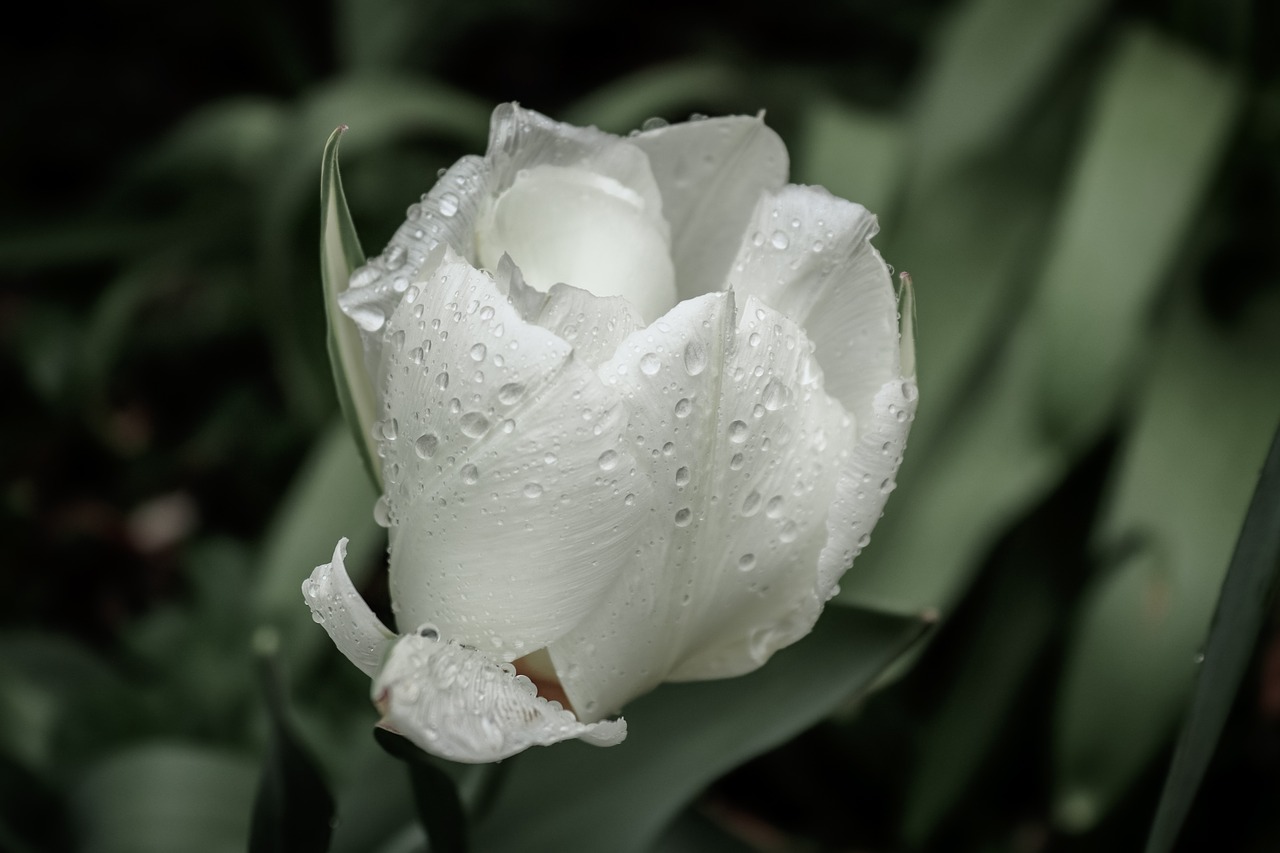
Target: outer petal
x,y
745,450
462,705
507,480
711,173
336,605
809,255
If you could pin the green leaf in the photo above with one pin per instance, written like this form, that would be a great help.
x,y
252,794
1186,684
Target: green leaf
x,y
1157,135
158,798
340,255
992,62
434,792
1182,488
293,811
854,153
1247,594
683,736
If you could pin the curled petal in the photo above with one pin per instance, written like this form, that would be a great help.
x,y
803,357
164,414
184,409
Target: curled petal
x,y
338,608
809,255
462,705
711,173
510,493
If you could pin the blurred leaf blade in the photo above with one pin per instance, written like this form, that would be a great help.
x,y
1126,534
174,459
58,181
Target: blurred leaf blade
x,y
854,153
1169,527
293,810
682,736
340,255
993,60
161,797
1160,123
1247,593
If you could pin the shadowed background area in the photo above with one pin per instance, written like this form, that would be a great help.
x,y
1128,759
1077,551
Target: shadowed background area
x,y
1087,195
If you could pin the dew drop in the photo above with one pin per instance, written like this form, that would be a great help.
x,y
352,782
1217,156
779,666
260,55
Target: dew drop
x,y
369,319
478,352
426,445
695,358
779,240
773,509
864,540
533,490
510,393
683,517
747,562
774,395
683,407
682,476
442,380
669,449
550,458
473,424
382,512
448,204
736,461
754,339
751,503
788,532
608,460
470,474
650,363
390,428
738,432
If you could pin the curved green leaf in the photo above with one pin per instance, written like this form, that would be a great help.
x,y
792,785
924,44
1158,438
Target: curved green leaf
x,y
340,255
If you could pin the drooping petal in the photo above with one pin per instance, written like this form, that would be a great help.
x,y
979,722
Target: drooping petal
x,y
461,704
340,610
507,478
809,255
711,172
744,448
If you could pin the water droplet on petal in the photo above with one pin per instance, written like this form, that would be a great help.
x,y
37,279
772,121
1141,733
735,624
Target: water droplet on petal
x,y
478,352
470,474
695,358
426,445
608,460
774,508
788,532
774,395
738,432
473,424
510,393
533,490
779,240
747,562
650,363
442,380
751,503
448,204
683,517
682,476
683,407
735,462
381,512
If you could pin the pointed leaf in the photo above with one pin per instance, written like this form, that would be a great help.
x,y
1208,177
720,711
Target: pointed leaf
x,y
340,254
434,793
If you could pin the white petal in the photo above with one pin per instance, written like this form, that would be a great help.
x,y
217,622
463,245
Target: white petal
x,y
809,255
445,216
462,705
507,480
593,325
569,224
340,610
744,449
711,173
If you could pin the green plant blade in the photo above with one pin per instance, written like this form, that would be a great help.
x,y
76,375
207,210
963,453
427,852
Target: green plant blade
x,y
1160,122
1247,593
682,736
293,810
1182,487
340,254
854,153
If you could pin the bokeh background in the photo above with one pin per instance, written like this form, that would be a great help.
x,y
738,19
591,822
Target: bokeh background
x,y
1087,195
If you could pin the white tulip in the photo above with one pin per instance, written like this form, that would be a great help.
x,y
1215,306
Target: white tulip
x,y
642,404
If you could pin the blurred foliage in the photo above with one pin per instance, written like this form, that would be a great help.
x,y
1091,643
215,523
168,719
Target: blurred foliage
x,y
1087,195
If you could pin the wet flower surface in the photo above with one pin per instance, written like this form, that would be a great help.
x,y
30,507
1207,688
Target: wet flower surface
x,y
641,405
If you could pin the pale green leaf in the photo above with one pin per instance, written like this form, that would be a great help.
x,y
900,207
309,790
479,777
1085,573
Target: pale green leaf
x,y
1185,477
340,255
854,153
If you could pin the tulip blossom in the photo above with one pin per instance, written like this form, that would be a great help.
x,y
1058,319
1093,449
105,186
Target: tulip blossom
x,y
641,403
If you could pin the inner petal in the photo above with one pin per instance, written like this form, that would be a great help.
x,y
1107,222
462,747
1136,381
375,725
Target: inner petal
x,y
562,224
